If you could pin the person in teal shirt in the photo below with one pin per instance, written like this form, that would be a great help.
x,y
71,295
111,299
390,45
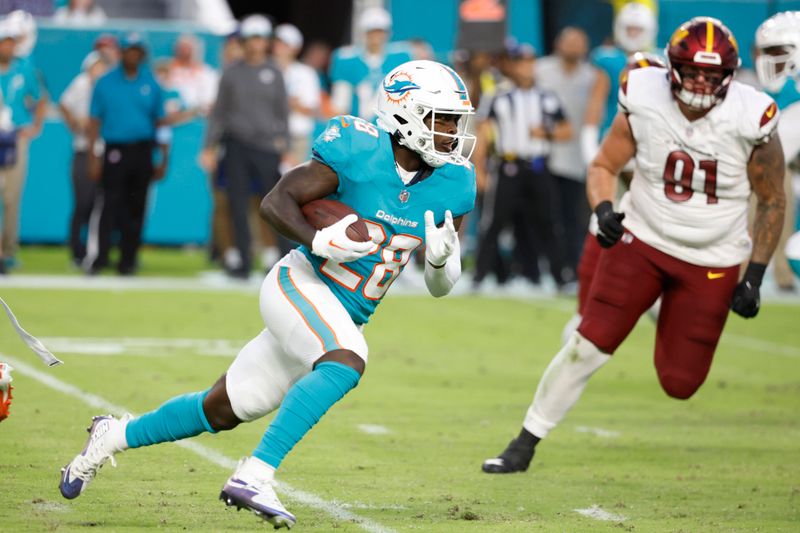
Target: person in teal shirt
x,y
127,107
410,179
21,114
356,71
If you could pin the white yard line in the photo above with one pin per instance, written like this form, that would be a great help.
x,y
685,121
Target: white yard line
x,y
373,429
143,346
301,497
596,512
600,432
760,345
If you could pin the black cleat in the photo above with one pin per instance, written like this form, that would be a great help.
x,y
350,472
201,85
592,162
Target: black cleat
x,y
515,458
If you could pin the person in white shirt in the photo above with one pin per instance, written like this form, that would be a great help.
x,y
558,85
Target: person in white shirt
x,y
74,106
194,80
302,85
80,13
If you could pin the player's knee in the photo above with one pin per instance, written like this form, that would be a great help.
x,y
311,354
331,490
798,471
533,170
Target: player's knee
x,y
345,357
217,408
680,387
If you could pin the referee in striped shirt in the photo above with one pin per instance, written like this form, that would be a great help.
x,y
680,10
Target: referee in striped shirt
x,y
523,121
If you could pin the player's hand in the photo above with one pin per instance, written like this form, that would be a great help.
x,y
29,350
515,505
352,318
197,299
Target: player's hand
x,y
334,244
439,242
746,296
609,223
159,172
208,160
95,168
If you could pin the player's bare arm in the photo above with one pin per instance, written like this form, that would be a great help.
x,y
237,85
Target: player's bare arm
x,y
617,149
281,207
765,170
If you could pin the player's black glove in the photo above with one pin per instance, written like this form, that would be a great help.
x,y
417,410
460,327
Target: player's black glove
x,y
746,298
610,223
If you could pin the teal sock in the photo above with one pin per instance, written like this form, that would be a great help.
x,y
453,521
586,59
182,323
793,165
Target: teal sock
x,y
303,406
176,419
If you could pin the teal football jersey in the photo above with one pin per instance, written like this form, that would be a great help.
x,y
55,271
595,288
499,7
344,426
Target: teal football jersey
x,y
612,61
788,94
349,64
361,155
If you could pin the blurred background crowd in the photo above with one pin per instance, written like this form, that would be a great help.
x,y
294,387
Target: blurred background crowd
x,y
164,123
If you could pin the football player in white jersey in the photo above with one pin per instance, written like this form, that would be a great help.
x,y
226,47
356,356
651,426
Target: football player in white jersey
x,y
702,143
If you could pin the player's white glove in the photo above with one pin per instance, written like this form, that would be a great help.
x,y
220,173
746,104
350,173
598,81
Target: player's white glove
x,y
439,242
334,244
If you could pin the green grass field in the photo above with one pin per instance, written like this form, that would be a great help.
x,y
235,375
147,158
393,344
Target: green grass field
x,y
450,380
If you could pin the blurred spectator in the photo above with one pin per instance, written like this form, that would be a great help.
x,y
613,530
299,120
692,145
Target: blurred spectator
x,y
80,13
635,30
317,55
569,75
37,8
74,106
127,106
190,76
421,49
221,247
356,71
302,86
24,27
524,121
108,47
21,93
250,119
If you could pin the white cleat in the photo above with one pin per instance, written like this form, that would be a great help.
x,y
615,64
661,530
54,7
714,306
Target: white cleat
x,y
250,487
100,447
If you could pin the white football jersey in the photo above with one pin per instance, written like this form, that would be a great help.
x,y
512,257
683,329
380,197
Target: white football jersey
x,y
689,194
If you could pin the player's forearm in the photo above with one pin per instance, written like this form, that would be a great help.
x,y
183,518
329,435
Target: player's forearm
x,y
601,185
440,281
282,212
767,228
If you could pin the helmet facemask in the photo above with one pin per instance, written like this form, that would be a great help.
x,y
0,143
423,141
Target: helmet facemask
x,y
774,64
432,135
700,95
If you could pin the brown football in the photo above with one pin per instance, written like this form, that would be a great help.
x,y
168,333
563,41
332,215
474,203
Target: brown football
x,y
323,213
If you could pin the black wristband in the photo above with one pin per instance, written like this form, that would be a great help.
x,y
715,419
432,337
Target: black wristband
x,y
604,207
754,273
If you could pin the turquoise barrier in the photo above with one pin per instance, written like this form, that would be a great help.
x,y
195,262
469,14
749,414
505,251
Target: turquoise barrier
x,y
179,206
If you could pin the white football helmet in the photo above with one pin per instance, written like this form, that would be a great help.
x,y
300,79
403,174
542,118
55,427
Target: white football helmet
x,y
635,28
419,89
781,32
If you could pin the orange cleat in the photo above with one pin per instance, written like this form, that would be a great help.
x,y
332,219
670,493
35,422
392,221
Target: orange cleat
x,y
5,390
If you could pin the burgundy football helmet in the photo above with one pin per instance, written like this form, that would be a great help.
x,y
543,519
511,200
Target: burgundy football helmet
x,y
639,60
703,56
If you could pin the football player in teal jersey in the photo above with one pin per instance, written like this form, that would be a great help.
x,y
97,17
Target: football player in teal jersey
x,y
410,179
777,64
635,30
356,71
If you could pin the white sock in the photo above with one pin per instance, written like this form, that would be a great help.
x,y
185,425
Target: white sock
x,y
562,384
255,468
654,311
570,327
116,436
232,258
